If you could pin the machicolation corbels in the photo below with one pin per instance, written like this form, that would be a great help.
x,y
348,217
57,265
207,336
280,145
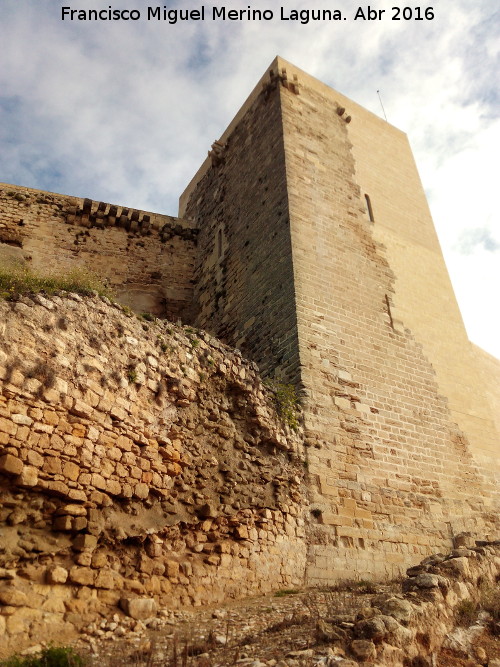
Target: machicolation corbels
x,y
216,154
274,78
341,112
101,215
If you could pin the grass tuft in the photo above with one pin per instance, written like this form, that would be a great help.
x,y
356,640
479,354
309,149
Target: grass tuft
x,y
466,613
53,656
16,281
285,401
286,591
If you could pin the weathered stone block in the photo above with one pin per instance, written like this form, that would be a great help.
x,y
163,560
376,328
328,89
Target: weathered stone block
x,y
71,509
363,650
81,409
54,605
141,490
106,579
70,470
52,465
399,609
10,465
208,511
57,575
241,532
62,523
13,597
79,523
20,419
28,477
98,481
83,576
114,487
7,426
138,608
84,542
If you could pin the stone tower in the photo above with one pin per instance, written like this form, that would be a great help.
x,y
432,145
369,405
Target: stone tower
x,y
318,257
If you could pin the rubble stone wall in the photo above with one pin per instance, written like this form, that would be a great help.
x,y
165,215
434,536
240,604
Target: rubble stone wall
x,y
146,258
137,460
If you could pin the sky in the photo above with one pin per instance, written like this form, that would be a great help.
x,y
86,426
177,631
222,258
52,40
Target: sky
x,y
125,111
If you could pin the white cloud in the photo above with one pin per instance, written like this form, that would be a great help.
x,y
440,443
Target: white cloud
x,y
126,112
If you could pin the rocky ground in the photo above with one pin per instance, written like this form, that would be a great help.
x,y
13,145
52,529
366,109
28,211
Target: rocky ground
x,y
287,629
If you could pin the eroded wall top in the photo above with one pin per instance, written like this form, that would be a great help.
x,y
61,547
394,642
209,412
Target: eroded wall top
x,y
146,258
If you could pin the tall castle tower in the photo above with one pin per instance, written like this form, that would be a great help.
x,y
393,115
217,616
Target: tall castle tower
x,y
318,257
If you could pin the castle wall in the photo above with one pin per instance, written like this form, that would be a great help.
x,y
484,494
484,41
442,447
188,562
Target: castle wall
x,y
244,277
137,460
395,476
424,300
147,259
280,257
392,474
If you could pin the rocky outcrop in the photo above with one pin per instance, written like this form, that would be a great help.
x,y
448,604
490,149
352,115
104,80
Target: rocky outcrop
x,y
141,464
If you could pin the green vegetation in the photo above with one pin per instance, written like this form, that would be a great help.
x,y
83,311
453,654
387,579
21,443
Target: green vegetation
x,y
351,586
44,373
466,613
163,346
53,656
467,610
19,280
149,317
490,602
286,402
132,375
286,591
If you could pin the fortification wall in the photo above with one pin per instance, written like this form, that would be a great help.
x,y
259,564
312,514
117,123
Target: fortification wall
x,y
138,460
143,459
424,300
147,258
244,276
398,477
392,475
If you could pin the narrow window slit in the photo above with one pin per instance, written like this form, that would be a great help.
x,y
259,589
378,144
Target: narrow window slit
x,y
219,243
369,208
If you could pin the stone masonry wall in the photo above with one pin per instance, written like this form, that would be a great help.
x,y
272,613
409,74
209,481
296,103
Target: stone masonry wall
x,y
244,276
146,258
137,460
392,474
424,301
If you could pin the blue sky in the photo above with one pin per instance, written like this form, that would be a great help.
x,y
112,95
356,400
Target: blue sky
x,y
125,111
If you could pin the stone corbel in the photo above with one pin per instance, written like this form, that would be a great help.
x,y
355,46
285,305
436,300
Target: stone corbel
x,y
217,153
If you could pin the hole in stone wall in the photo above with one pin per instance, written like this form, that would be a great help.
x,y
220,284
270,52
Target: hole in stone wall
x,y
369,208
219,243
389,312
346,542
